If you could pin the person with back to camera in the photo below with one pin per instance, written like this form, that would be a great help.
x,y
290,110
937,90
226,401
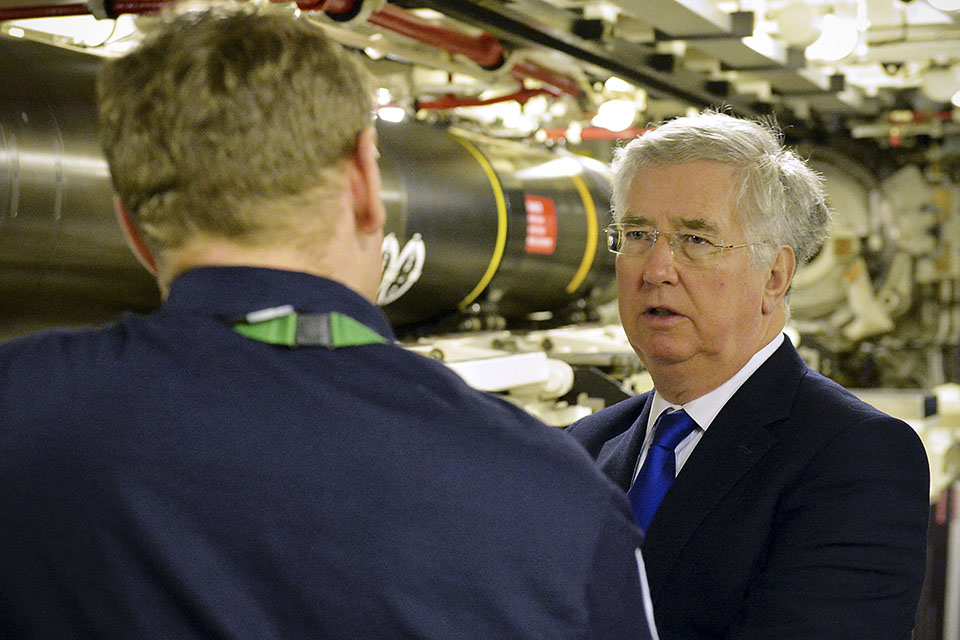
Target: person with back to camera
x,y
775,504
259,459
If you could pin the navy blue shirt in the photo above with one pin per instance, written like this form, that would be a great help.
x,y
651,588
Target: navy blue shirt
x,y
166,477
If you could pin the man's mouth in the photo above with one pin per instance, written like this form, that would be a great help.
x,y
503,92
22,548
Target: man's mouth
x,y
661,311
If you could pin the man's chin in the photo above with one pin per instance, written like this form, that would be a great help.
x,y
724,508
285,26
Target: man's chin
x,y
663,351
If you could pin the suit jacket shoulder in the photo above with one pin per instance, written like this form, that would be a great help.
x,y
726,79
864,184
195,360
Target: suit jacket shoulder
x,y
614,435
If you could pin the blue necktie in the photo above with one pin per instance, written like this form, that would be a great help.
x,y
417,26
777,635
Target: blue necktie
x,y
660,466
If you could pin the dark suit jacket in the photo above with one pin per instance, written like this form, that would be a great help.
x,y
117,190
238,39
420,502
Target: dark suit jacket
x,y
801,514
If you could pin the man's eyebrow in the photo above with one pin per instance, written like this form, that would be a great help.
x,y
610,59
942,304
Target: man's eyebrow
x,y
695,224
679,222
635,220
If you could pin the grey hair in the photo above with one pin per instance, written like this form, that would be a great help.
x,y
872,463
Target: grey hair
x,y
780,200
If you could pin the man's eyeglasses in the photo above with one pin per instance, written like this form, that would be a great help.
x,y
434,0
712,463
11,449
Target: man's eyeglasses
x,y
691,248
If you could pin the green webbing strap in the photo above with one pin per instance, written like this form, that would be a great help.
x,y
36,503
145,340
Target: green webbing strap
x,y
284,326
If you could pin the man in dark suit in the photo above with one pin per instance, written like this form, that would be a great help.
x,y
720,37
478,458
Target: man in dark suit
x,y
259,459
790,509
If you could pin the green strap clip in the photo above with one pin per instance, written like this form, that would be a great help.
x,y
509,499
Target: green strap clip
x,y
284,326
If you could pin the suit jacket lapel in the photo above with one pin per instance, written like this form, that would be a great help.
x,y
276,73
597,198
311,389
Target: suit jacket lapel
x,y
618,456
733,444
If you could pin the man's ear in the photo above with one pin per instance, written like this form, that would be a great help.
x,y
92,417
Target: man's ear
x,y
365,184
134,239
779,278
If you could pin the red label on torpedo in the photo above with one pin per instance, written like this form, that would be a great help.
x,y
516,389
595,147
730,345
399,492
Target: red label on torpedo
x,y
541,225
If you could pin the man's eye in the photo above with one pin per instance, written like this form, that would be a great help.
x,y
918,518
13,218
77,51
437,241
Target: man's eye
x,y
637,234
693,239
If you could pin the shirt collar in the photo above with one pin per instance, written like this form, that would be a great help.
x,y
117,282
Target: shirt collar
x,y
231,292
705,408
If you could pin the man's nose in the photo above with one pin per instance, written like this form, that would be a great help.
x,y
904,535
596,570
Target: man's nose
x,y
660,261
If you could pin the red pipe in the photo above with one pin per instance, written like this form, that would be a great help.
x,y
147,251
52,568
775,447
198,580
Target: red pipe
x,y
560,82
113,9
22,13
597,133
483,49
336,7
117,7
904,117
451,102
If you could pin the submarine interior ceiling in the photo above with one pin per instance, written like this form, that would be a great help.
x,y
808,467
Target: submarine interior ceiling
x,y
496,122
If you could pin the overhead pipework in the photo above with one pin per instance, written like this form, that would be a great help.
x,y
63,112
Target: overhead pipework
x,y
767,58
483,49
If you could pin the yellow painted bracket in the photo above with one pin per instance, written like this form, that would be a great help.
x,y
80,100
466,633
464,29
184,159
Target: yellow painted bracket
x,y
501,224
590,250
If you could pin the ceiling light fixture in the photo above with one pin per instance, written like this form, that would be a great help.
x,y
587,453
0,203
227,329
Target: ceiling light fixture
x,y
945,5
839,38
391,114
615,115
940,84
799,24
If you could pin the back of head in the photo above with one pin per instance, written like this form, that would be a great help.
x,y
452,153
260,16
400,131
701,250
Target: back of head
x,y
223,117
780,200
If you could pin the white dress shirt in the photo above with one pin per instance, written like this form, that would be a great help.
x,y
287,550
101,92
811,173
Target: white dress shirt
x,y
705,408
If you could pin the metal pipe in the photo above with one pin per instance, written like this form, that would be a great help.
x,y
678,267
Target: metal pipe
x,y
559,82
597,133
43,11
484,49
337,7
112,9
451,102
